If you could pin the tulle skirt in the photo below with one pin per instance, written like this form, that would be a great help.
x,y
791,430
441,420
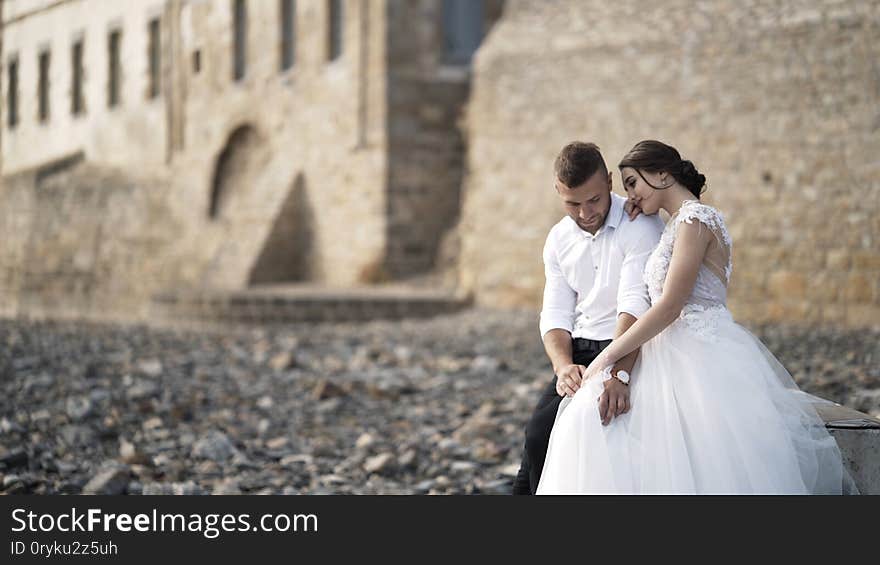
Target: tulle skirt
x,y
712,412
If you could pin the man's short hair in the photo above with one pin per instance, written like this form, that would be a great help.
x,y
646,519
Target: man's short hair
x,y
577,162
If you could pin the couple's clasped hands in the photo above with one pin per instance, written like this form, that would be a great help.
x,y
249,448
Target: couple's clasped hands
x,y
614,400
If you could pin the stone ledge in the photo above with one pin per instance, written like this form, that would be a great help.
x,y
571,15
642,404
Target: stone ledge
x,y
280,304
858,436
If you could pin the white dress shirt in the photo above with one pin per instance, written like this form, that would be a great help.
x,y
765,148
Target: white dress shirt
x,y
591,279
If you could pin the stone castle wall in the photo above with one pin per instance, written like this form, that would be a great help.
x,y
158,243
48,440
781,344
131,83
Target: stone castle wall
x,y
776,102
278,177
336,171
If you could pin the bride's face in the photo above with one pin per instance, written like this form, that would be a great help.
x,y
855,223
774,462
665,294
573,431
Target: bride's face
x,y
640,192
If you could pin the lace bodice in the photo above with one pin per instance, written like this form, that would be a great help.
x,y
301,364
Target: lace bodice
x,y
712,280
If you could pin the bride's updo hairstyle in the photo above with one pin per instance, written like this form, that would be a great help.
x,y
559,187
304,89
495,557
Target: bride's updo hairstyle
x,y
656,157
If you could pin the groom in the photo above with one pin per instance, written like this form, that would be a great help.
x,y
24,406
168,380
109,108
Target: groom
x,y
593,263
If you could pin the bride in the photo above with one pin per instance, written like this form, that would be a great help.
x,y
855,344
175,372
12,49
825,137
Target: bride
x,y
712,410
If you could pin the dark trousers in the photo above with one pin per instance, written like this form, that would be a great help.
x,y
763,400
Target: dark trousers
x,y
541,423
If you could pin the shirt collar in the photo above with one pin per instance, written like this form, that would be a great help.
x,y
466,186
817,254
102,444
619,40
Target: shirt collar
x,y
612,220
615,213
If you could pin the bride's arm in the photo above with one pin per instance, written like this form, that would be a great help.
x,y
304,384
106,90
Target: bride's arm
x,y
691,242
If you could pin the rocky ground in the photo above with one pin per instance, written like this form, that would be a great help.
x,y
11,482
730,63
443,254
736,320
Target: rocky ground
x,y
420,406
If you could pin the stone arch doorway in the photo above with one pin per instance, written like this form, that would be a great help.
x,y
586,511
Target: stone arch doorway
x,y
234,212
287,253
237,164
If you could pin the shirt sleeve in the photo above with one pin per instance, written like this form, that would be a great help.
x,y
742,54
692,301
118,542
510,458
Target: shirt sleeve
x,y
559,298
639,240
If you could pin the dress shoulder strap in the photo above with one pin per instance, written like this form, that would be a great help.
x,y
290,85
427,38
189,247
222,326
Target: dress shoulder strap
x,y
695,210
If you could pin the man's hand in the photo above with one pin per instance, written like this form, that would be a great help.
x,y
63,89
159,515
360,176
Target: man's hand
x,y
568,379
614,401
631,210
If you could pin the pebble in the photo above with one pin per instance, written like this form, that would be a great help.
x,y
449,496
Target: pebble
x,y
281,361
15,457
408,458
77,434
463,466
364,441
7,426
79,407
111,480
265,402
128,453
150,367
379,463
215,446
141,390
326,389
296,459
227,486
277,443
185,488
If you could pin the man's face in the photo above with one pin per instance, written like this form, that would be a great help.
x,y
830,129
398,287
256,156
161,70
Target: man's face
x,y
587,204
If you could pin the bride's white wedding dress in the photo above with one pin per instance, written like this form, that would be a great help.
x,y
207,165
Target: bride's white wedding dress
x,y
713,411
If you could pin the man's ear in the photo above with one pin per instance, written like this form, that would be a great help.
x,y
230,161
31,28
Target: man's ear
x,y
609,182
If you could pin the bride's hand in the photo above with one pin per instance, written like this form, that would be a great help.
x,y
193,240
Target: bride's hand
x,y
599,364
631,209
